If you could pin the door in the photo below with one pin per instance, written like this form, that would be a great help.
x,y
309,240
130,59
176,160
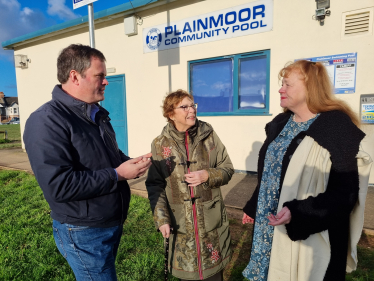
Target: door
x,y
115,103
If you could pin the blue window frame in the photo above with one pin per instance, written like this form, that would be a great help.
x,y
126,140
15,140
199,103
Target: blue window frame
x,y
231,85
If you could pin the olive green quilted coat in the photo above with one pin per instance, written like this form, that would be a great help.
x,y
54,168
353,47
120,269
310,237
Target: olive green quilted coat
x,y
170,198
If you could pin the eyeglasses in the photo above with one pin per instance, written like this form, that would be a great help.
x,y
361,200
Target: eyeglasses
x,y
187,107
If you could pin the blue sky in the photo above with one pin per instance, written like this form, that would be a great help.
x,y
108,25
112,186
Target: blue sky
x,y
19,17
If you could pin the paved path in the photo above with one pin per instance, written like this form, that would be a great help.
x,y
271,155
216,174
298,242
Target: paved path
x,y
235,194
14,159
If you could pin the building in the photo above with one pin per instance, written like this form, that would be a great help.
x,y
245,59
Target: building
x,y
227,53
8,107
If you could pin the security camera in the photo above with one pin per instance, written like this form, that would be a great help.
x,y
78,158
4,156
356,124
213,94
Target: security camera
x,y
321,11
323,4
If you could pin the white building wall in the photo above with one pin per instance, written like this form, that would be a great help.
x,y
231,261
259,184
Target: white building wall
x,y
149,76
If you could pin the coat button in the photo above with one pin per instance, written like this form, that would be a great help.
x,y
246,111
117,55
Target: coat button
x,y
290,157
299,141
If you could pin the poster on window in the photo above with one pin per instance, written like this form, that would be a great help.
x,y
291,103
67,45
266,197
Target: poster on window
x,y
341,70
250,18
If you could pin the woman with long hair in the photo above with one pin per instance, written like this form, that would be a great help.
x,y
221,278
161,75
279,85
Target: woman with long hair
x,y
308,183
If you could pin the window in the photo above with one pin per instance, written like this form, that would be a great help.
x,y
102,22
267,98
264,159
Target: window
x,y
15,110
231,85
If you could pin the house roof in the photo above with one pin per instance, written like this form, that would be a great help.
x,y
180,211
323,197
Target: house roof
x,y
8,101
108,14
11,100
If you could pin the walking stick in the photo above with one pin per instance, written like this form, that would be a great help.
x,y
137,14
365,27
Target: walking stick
x,y
166,258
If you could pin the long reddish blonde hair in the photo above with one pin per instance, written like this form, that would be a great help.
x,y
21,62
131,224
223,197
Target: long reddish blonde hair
x,y
320,96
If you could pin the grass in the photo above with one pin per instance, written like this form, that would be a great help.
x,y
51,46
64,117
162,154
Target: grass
x,y
28,251
27,248
14,136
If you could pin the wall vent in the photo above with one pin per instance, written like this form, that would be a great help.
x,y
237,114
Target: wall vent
x,y
359,22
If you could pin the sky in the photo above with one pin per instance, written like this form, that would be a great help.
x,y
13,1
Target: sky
x,y
20,17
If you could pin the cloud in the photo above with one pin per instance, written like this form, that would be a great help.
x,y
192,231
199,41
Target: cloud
x,y
253,76
16,21
221,86
199,83
58,8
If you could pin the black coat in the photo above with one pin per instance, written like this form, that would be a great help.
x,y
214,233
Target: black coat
x,y
73,159
330,210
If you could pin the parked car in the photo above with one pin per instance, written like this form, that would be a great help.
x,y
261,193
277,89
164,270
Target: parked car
x,y
5,123
14,120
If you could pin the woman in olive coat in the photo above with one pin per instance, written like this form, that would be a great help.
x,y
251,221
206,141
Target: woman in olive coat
x,y
190,163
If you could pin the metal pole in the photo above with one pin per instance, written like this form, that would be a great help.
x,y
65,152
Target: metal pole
x,y
91,25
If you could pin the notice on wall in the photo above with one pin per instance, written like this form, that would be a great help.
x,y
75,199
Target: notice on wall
x,y
367,108
341,70
250,18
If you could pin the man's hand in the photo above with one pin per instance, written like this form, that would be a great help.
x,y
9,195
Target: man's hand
x,y
247,219
165,230
283,217
145,157
134,168
196,178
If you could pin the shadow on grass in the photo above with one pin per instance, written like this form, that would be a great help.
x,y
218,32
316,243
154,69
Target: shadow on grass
x,y
241,241
365,267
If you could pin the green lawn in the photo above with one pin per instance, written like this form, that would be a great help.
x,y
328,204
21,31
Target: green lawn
x,y
27,248
28,251
14,136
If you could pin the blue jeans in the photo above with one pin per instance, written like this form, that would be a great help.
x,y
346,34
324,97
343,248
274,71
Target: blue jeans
x,y
90,251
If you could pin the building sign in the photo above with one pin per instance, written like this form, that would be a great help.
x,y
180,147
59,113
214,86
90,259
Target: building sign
x,y
251,18
81,3
367,108
342,71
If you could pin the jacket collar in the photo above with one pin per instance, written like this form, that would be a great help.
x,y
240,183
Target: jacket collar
x,y
76,105
329,130
180,136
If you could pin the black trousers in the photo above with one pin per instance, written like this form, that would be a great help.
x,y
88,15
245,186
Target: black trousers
x,y
216,277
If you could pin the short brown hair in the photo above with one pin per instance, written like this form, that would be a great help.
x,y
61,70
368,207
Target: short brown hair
x,y
172,100
320,95
77,57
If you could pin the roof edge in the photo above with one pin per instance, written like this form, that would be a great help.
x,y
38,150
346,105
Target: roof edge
x,y
9,44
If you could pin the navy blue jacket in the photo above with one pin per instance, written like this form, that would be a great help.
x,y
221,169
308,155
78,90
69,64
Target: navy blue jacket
x,y
73,159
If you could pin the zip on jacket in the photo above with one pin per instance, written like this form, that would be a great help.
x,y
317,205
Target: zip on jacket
x,y
194,213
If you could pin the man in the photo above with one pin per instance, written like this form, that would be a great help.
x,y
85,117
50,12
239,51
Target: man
x,y
75,158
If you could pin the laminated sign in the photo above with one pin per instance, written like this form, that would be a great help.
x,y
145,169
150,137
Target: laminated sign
x,y
367,108
251,18
342,71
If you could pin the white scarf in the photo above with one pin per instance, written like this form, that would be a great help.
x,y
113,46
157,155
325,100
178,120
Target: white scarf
x,y
307,175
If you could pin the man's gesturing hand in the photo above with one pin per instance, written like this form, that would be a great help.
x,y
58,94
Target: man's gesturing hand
x,y
134,168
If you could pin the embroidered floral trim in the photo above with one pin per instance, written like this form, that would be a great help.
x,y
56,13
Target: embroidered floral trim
x,y
215,254
166,151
